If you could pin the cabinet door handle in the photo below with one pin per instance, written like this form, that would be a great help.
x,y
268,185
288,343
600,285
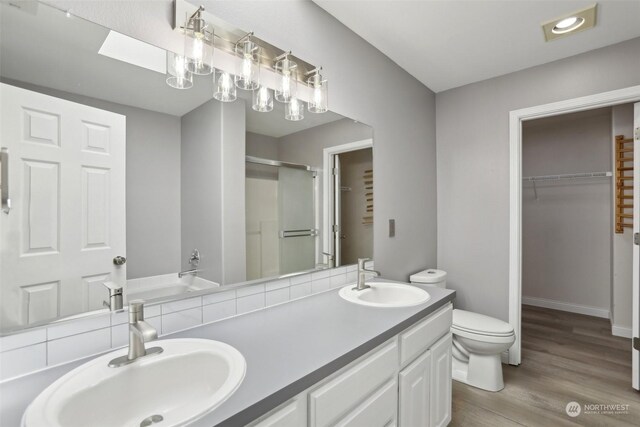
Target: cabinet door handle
x,y
4,180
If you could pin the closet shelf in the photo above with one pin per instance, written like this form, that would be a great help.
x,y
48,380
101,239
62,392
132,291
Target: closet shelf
x,y
568,176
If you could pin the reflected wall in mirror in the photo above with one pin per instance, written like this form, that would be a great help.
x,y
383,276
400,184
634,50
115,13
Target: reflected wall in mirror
x,y
107,163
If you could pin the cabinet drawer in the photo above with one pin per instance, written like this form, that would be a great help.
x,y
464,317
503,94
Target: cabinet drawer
x,y
337,397
379,410
418,339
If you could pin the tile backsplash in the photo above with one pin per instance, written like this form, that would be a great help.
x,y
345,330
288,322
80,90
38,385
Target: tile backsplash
x,y
36,349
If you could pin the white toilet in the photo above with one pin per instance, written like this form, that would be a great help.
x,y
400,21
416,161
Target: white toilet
x,y
478,341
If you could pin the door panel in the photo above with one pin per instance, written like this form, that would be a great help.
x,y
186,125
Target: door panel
x,y
67,221
296,219
415,388
636,250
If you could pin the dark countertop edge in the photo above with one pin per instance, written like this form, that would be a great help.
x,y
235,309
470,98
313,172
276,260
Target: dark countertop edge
x,y
258,409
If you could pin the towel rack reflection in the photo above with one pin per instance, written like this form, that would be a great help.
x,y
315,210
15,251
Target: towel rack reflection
x,y
298,233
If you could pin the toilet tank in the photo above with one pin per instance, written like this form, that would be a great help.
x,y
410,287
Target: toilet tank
x,y
430,277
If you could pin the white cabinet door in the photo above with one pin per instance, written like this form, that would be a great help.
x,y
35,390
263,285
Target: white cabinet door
x,y
441,382
415,389
292,414
67,220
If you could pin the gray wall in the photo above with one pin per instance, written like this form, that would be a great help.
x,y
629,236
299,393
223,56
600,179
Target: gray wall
x,y
212,155
153,184
261,146
402,114
473,163
566,231
307,146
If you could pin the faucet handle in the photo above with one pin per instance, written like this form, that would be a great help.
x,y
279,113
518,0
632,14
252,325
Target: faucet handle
x,y
136,310
361,262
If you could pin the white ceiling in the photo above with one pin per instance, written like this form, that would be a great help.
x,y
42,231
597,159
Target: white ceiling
x,y
451,43
43,47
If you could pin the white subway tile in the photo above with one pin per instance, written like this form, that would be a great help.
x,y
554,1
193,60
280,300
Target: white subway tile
x,y
352,267
250,290
352,277
78,346
277,296
217,311
320,285
179,305
338,280
250,303
22,360
303,278
77,326
277,284
338,271
23,339
299,291
180,320
316,275
218,297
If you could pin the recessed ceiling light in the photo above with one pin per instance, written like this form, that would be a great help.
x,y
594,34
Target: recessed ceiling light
x,y
568,24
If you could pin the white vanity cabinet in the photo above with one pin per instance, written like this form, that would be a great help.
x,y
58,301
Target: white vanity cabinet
x,y
404,382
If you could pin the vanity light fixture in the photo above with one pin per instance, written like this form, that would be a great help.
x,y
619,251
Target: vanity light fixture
x,y
287,83
294,110
318,85
198,44
178,76
570,24
262,99
224,89
248,74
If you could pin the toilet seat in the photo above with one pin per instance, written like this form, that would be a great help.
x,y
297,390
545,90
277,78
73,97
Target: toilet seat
x,y
494,339
475,324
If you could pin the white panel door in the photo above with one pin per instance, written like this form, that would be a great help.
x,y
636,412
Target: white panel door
x,y
415,389
636,250
440,406
66,176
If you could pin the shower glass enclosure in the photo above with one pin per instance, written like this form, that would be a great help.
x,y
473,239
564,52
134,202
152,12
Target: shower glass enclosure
x,y
280,218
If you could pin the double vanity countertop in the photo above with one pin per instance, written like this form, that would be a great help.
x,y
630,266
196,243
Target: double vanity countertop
x,y
287,347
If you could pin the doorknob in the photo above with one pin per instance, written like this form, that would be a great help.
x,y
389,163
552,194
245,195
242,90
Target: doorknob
x,y
119,260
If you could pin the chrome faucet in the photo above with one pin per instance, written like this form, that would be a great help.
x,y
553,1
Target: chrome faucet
x,y
115,296
194,260
139,333
362,272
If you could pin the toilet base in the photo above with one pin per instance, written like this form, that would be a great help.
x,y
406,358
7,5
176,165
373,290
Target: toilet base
x,y
481,371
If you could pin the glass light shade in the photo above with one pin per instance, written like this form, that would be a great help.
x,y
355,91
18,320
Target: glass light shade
x,y
318,102
262,100
287,82
248,75
198,47
178,76
294,110
223,88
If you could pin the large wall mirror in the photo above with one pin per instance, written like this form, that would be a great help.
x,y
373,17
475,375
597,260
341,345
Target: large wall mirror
x,y
118,181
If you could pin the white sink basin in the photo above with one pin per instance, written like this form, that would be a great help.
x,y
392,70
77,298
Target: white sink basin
x,y
190,378
385,294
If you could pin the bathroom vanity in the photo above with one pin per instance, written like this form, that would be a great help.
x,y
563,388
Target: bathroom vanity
x,y
318,360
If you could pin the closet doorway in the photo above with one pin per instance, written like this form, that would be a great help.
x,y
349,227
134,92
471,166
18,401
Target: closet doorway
x,y
348,202
569,188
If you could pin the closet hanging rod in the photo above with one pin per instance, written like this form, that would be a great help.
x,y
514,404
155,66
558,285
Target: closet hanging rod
x,y
568,176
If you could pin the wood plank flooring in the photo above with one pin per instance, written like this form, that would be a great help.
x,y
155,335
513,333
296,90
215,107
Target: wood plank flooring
x,y
565,357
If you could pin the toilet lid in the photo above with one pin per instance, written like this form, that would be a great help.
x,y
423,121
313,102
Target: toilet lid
x,y
480,324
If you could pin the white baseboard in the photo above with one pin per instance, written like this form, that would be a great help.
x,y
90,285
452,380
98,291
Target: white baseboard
x,y
565,306
621,331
